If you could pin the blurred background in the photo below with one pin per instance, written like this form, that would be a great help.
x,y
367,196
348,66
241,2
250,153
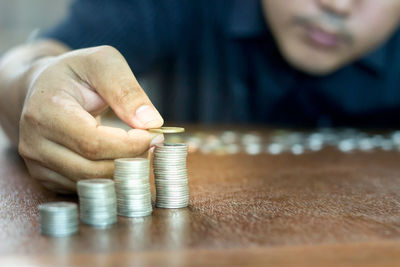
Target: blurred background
x,y
18,18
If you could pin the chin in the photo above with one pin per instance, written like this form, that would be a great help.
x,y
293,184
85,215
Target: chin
x,y
315,70
312,63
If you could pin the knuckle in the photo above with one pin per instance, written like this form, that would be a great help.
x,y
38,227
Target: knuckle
x,y
124,96
99,52
109,50
34,111
27,141
90,148
29,115
130,96
24,151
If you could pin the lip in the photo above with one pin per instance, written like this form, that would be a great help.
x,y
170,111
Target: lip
x,y
322,38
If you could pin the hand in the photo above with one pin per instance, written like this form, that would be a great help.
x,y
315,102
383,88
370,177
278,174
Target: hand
x,y
59,136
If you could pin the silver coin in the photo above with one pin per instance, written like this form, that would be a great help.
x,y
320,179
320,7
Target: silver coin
x,y
172,189
130,208
98,203
164,202
58,207
132,186
133,208
171,177
171,182
95,183
177,206
168,194
136,205
135,202
58,218
172,198
136,214
132,183
132,191
59,230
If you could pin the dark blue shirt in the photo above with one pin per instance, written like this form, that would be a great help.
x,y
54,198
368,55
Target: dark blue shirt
x,y
216,61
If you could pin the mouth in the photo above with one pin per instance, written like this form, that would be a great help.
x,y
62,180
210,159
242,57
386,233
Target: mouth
x,y
323,38
319,36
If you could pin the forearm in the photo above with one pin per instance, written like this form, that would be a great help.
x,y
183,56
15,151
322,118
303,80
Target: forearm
x,y
17,68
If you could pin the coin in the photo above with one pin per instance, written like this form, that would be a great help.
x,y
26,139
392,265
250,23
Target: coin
x,y
170,175
58,218
132,186
98,202
167,130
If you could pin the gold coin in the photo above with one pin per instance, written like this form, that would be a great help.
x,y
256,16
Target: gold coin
x,y
167,130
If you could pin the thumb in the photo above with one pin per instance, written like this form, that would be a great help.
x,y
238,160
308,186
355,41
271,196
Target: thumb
x,y
107,72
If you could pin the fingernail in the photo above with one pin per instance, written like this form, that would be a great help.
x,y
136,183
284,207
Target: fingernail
x,y
148,116
158,139
151,151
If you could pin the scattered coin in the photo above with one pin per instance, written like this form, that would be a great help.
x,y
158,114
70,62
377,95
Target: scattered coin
x,y
297,149
275,148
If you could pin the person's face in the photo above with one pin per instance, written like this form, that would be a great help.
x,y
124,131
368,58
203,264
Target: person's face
x,y
320,36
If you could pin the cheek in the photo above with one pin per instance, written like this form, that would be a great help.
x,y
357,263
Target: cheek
x,y
279,13
373,23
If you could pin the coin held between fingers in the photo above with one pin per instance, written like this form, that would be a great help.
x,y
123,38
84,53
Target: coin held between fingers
x,y
167,130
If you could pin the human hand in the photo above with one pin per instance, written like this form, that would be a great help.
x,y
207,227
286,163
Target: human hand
x,y
59,136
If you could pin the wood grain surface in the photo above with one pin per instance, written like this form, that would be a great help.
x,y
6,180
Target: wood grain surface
x,y
319,209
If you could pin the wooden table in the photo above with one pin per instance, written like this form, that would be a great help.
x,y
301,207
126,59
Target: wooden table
x,y
319,209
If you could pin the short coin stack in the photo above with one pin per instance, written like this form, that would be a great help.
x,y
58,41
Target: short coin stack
x,y
58,218
170,175
97,200
131,176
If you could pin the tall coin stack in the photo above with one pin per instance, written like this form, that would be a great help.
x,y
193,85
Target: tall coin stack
x,y
131,176
97,200
58,218
170,175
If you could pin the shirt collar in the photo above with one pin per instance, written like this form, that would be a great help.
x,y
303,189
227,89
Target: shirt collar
x,y
375,60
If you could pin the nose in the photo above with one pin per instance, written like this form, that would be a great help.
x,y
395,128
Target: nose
x,y
339,7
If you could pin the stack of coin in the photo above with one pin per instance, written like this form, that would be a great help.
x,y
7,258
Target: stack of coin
x,y
58,218
97,200
131,176
170,175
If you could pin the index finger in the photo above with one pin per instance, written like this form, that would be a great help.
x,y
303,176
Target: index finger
x,y
106,71
79,131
